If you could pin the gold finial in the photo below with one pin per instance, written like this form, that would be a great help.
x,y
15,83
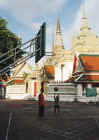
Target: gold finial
x,y
58,39
58,26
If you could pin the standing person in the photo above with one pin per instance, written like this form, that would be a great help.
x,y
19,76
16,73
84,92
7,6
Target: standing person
x,y
41,104
56,105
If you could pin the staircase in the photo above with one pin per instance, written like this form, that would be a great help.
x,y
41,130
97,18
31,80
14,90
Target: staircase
x,y
16,92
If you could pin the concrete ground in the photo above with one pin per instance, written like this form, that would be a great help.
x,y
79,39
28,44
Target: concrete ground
x,y
19,120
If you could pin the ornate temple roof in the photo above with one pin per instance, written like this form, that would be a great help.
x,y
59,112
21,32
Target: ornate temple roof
x,y
90,71
89,78
15,81
89,62
36,71
49,71
24,67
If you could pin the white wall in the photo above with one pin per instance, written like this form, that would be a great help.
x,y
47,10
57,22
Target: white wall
x,y
67,71
57,73
15,92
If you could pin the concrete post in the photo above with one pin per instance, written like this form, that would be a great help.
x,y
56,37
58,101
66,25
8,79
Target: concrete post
x,y
79,90
89,86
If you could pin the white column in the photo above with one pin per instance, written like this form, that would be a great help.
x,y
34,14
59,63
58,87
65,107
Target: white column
x,y
58,73
62,67
32,87
79,90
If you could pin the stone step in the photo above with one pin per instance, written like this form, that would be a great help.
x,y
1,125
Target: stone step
x,y
20,96
15,89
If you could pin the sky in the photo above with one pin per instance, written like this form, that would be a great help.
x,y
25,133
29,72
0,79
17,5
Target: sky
x,y
26,16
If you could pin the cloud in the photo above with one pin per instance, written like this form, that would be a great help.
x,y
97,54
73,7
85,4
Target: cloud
x,y
35,26
27,11
50,36
92,7
92,10
2,3
73,31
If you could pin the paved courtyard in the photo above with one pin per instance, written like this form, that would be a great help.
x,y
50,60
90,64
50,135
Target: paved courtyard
x,y
76,121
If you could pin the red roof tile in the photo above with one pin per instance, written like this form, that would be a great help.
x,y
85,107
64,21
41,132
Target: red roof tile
x,y
91,78
15,81
90,62
49,69
18,81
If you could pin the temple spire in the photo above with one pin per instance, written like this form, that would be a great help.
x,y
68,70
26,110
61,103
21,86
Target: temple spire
x,y
84,13
84,23
58,30
58,38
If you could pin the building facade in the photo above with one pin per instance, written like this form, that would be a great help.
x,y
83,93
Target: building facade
x,y
59,66
86,42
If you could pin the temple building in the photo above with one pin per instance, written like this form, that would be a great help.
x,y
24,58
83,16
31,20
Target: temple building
x,y
86,42
25,81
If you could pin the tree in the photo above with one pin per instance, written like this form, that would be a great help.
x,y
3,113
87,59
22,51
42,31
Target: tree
x,y
8,42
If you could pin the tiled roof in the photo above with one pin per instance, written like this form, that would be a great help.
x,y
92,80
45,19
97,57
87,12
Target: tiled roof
x,y
49,70
74,77
15,81
89,78
84,78
89,71
19,81
90,62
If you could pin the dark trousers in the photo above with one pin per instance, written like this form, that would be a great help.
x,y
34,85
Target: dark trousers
x,y
56,108
41,110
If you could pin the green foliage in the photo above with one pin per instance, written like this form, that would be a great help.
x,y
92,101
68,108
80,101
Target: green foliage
x,y
25,75
8,42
